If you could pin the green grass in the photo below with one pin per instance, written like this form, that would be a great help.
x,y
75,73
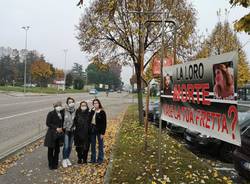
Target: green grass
x,y
38,90
152,98
133,164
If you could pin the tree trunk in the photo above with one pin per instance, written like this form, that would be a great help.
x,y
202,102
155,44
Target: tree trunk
x,y
140,100
140,62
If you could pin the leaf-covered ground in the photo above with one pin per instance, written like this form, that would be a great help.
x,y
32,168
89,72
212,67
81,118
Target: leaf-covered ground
x,y
93,173
132,164
11,160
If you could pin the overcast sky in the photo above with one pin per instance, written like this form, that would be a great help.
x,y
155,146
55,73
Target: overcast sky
x,y
53,27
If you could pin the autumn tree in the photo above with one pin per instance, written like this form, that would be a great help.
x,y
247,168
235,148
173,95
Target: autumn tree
x,y
223,39
59,74
31,57
41,72
108,30
244,23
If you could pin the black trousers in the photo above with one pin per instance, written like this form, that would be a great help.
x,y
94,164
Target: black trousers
x,y
82,152
53,155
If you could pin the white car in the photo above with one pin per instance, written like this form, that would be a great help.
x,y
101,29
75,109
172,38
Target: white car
x,y
93,92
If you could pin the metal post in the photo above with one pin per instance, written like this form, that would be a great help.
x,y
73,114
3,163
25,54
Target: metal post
x,y
65,56
163,21
161,88
26,28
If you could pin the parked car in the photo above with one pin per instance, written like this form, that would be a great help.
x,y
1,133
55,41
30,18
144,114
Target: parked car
x,y
222,148
119,91
175,128
93,92
241,156
30,85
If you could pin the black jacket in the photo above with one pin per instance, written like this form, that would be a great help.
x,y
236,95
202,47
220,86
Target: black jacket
x,y
82,128
101,121
53,122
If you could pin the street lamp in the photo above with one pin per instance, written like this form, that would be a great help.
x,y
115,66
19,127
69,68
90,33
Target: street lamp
x,y
65,57
26,28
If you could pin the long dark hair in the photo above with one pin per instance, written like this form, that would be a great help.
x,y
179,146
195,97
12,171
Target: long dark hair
x,y
97,100
79,108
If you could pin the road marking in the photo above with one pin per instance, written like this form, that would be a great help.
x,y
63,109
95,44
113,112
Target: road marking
x,y
25,113
48,98
25,102
30,112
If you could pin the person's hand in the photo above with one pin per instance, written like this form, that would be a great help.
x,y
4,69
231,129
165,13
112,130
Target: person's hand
x,y
59,130
102,136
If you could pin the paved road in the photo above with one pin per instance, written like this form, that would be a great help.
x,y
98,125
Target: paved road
x,y
23,117
33,167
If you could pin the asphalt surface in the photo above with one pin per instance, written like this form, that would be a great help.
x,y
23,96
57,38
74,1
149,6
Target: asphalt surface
x,y
33,167
23,117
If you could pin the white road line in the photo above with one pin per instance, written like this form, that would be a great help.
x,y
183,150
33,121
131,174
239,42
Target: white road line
x,y
25,113
48,98
30,112
17,103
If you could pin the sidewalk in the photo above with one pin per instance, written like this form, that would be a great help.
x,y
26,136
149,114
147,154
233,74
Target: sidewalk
x,y
32,168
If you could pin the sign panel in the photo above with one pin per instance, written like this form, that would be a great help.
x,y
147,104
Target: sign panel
x,y
157,65
202,95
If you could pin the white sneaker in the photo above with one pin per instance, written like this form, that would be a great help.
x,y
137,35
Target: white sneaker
x,y
68,162
64,163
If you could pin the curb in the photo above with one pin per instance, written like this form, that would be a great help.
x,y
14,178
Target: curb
x,y
18,147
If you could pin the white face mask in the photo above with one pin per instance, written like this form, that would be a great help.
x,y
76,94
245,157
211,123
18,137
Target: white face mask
x,y
71,104
84,108
58,108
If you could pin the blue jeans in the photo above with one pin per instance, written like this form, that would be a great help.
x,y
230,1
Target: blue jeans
x,y
100,148
67,147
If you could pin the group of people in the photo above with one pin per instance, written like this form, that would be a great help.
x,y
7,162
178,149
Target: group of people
x,y
81,126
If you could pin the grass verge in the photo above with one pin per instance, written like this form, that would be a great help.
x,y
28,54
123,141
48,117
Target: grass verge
x,y
132,164
39,90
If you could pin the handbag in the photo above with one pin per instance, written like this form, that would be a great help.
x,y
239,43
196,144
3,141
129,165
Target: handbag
x,y
60,138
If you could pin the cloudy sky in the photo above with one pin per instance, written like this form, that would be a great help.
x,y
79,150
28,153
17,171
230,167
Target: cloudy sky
x,y
53,27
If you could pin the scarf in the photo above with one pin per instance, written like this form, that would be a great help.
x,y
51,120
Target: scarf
x,y
69,118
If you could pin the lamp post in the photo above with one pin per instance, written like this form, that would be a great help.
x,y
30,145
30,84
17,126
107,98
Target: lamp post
x,y
26,28
65,59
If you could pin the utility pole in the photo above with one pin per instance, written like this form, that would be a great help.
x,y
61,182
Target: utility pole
x,y
65,59
26,28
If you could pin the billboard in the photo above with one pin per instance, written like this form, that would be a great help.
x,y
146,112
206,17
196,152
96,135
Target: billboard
x,y
156,68
202,95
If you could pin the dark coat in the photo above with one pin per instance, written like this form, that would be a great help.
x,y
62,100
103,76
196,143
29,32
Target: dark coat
x,y
101,121
53,122
82,128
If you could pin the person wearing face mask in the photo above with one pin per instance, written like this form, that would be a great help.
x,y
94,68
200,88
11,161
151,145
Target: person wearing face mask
x,y
82,132
54,123
98,128
68,127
